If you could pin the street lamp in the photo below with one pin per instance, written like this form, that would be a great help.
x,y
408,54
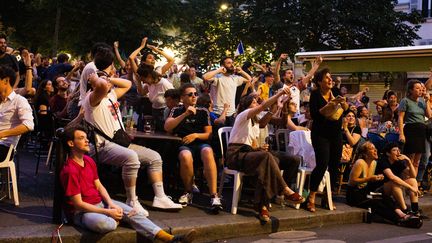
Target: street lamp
x,y
223,7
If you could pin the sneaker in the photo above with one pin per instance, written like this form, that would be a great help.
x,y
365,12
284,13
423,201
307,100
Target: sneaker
x,y
186,199
216,204
195,189
137,207
165,203
186,238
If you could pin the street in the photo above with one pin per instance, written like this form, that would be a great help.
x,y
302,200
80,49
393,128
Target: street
x,y
362,232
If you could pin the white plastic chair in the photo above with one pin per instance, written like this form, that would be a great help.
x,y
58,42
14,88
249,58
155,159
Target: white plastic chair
x,y
8,163
224,132
301,178
303,170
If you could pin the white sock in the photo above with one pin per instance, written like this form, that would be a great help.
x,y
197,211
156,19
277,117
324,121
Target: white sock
x,y
131,193
158,189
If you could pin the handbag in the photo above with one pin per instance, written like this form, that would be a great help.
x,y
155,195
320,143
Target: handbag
x,y
120,136
347,151
337,113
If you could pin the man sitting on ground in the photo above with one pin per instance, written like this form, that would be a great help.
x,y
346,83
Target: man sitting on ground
x,y
193,125
88,203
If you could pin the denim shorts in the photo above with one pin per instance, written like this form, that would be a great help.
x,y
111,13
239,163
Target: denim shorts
x,y
195,149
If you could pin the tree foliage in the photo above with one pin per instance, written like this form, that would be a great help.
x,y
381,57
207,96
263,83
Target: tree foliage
x,y
203,32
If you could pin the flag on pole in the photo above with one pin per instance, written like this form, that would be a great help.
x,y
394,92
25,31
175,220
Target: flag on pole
x,y
240,49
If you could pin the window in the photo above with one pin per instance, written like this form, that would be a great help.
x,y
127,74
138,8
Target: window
x,y
414,5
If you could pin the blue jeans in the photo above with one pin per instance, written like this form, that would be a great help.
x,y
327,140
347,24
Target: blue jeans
x,y
102,223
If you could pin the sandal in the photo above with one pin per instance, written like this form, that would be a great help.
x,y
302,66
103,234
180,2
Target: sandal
x,y
294,198
264,215
310,206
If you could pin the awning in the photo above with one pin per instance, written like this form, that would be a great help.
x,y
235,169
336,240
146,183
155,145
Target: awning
x,y
394,59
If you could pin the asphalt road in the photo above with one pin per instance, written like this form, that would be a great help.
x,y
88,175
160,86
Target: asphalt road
x,y
371,233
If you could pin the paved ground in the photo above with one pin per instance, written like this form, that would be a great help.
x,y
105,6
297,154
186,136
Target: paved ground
x,y
31,221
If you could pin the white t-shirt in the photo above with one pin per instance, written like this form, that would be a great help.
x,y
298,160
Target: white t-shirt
x,y
223,90
103,116
295,97
243,131
199,83
157,91
85,75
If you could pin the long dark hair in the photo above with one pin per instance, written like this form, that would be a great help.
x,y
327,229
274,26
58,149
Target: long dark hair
x,y
41,92
244,104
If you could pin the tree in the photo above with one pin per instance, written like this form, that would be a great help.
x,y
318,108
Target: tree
x,y
84,22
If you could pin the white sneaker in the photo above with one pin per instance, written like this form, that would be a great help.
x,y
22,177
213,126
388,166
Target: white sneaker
x,y
137,207
216,204
186,199
195,189
165,203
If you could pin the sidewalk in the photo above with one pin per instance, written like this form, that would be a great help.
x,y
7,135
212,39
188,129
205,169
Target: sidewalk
x,y
31,221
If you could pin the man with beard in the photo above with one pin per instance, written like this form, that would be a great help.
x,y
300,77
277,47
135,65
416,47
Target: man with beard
x,y
8,59
223,86
58,101
288,79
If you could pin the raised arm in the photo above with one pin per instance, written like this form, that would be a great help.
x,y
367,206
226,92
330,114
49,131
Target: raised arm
x,y
77,66
210,75
245,75
122,86
315,65
221,119
134,54
117,54
266,104
169,58
29,90
282,57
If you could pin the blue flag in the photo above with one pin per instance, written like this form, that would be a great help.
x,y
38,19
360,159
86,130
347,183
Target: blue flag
x,y
240,49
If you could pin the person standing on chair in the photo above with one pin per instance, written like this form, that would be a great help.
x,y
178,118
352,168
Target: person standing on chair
x,y
16,115
326,111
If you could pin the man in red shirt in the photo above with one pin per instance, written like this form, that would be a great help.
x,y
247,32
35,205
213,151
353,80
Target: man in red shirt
x,y
88,203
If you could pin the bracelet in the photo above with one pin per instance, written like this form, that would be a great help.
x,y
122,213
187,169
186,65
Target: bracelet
x,y
29,68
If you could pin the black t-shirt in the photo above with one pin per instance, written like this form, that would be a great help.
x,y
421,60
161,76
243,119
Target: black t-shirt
x,y
322,126
192,123
352,130
397,167
10,61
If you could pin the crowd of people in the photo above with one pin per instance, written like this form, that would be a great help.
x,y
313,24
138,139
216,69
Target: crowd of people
x,y
254,99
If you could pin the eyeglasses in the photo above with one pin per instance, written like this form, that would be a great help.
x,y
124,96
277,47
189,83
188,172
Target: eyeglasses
x,y
192,94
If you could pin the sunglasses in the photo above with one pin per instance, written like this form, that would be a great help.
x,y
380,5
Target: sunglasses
x,y
192,94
